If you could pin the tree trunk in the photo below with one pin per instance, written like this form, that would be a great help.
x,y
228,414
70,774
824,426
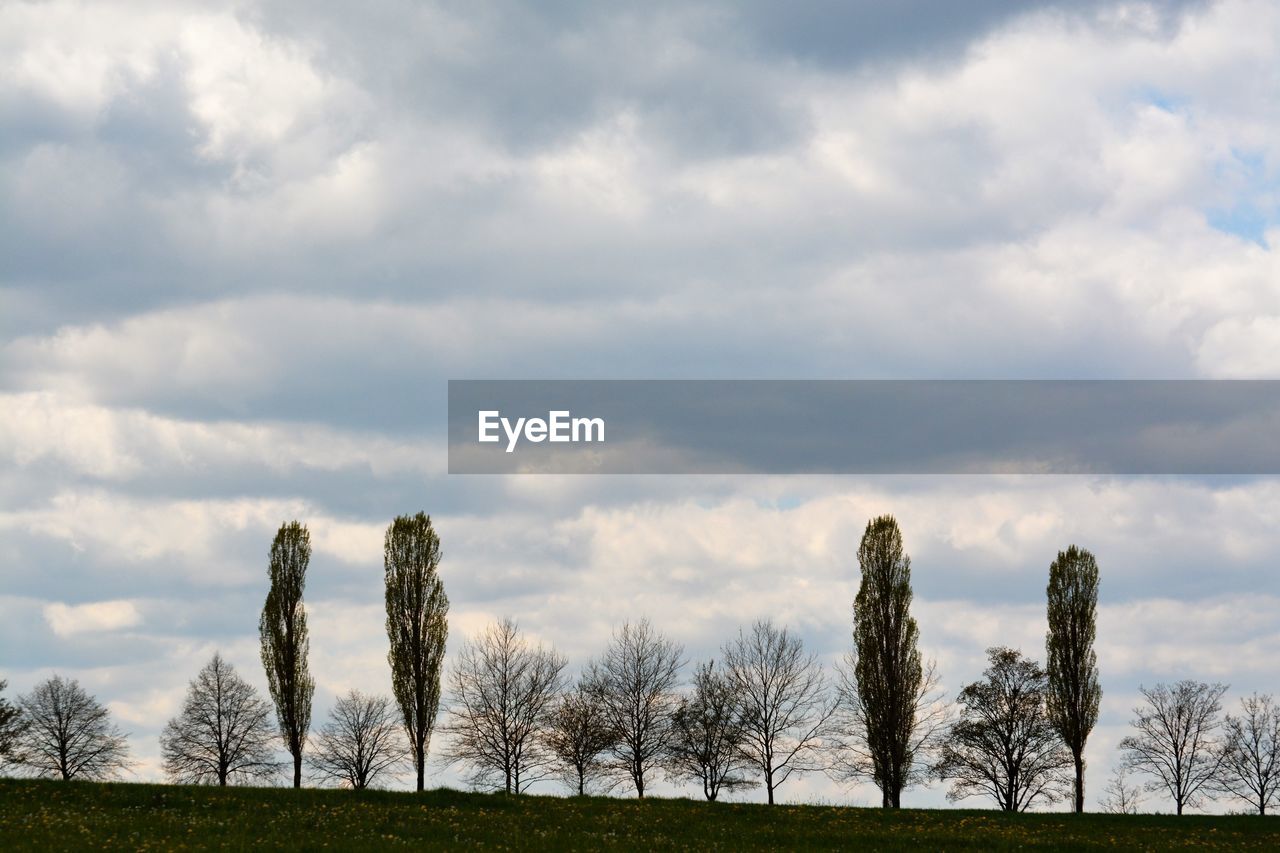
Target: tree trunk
x,y
297,769
421,768
1079,783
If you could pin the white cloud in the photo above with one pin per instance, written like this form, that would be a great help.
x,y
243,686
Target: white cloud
x,y
68,620
123,444
220,217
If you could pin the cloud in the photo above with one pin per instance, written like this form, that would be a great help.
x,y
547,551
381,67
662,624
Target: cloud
x,y
246,244
69,620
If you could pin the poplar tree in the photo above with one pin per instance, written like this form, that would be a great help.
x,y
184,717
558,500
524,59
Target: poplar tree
x,y
417,626
888,669
1074,692
285,642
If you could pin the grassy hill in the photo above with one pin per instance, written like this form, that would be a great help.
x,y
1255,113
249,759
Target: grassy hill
x,y
43,814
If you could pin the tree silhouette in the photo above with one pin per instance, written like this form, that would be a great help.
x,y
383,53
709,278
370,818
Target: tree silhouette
x,y
1074,692
1177,742
12,725
285,642
578,735
417,627
1003,746
223,732
501,692
1250,768
68,734
888,672
852,757
362,740
786,708
634,682
708,733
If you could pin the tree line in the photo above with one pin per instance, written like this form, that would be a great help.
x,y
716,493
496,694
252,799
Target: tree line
x,y
761,714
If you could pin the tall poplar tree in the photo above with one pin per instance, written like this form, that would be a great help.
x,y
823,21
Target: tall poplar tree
x,y
417,626
1074,692
888,670
285,642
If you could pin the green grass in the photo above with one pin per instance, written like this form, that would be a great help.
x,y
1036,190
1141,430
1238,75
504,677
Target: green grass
x,y
38,815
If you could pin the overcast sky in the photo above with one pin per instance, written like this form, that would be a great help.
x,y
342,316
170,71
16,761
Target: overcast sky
x,y
243,246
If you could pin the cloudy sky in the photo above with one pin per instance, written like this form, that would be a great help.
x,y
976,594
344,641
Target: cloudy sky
x,y
244,246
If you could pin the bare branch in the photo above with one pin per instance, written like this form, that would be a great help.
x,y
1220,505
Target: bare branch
x,y
578,736
1003,746
1177,741
786,705
1250,769
223,733
361,741
634,683
708,735
68,734
501,692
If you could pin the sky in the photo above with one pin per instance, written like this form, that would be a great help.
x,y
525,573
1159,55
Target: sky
x,y
244,246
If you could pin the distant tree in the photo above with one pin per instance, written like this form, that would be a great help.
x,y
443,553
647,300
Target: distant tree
x,y
578,736
417,627
223,732
68,734
1003,746
285,642
1074,692
1250,769
1177,741
501,692
12,724
708,735
634,682
889,678
1119,797
361,741
853,758
786,706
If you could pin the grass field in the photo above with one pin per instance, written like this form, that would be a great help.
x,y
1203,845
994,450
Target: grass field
x,y
37,815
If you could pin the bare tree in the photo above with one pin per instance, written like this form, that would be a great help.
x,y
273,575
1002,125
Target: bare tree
x,y
1177,741
417,627
12,725
501,691
223,732
786,706
1074,692
361,741
1003,746
1250,768
282,630
853,758
1119,797
708,733
634,683
578,735
68,734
